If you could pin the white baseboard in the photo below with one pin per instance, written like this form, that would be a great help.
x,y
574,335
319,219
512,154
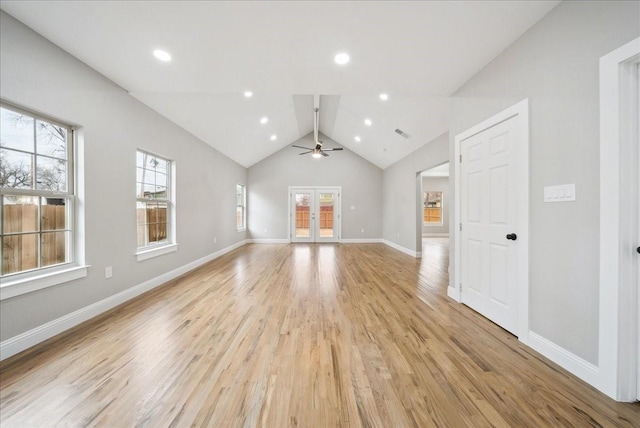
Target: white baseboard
x,y
23,341
361,241
454,293
565,359
268,241
402,249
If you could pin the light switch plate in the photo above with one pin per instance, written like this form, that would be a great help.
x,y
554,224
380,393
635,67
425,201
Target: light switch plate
x,y
561,193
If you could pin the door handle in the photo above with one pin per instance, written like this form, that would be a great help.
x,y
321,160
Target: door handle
x,y
638,250
512,236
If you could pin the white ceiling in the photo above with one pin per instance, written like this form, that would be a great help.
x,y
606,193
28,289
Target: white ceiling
x,y
417,52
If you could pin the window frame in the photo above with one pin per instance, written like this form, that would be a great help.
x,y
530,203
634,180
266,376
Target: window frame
x,y
243,206
168,245
17,283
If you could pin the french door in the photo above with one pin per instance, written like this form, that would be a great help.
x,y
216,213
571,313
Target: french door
x,y
314,214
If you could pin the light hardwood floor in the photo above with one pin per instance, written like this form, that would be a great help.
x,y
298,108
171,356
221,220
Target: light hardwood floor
x,y
299,336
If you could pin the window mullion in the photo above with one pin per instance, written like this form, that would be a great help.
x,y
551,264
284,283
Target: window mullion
x,y
39,193
34,162
1,235
39,233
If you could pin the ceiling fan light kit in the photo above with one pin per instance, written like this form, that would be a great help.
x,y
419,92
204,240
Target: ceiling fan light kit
x,y
317,152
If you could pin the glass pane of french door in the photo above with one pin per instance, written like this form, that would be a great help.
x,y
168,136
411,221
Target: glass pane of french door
x,y
302,215
326,205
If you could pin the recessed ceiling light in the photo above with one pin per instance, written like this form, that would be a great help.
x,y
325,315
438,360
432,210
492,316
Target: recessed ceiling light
x,y
368,122
357,138
264,120
248,94
162,55
341,58
384,97
274,137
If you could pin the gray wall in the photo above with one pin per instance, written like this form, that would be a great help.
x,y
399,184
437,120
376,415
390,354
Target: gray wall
x,y
268,182
402,210
37,75
555,65
438,184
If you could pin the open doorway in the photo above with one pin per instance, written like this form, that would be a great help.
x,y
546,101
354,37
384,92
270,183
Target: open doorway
x,y
433,215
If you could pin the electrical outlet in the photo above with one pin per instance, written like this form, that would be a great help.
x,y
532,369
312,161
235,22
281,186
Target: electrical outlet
x,y
108,272
398,235
215,239
362,231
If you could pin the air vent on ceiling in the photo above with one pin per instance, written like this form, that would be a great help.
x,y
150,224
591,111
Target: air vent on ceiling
x,y
402,133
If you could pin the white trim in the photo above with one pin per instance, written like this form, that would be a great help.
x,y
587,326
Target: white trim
x,y
521,111
23,341
435,174
565,359
454,293
268,241
618,306
435,235
40,279
342,241
407,251
149,253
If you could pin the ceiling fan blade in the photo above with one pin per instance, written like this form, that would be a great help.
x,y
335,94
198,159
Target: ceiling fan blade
x,y
305,153
301,147
333,150
323,153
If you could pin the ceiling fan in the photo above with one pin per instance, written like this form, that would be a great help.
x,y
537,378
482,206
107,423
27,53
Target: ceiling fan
x,y
316,151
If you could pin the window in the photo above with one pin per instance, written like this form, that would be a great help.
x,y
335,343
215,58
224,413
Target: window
x,y
432,208
241,207
154,205
37,195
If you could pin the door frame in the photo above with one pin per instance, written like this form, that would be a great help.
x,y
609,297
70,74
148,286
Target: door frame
x,y
520,111
618,347
338,206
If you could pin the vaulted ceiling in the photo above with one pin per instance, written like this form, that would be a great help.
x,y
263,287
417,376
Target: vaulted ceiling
x,y
418,53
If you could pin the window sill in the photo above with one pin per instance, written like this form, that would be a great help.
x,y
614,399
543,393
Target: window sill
x,y
432,224
243,229
155,252
39,280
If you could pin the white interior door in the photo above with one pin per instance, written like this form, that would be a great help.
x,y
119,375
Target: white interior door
x,y
489,221
637,206
315,214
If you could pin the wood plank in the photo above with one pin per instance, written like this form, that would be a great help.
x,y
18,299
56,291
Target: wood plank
x,y
304,335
